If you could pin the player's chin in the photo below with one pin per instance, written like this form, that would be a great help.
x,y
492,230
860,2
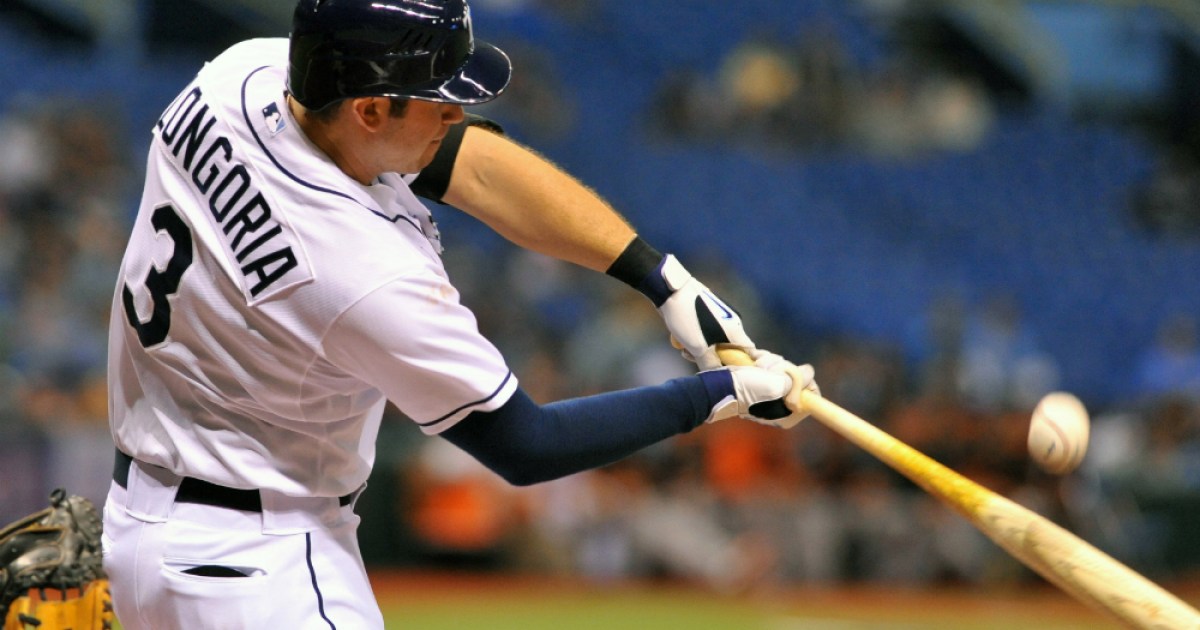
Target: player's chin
x,y
427,156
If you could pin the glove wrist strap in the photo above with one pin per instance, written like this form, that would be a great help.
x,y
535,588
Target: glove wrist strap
x,y
639,267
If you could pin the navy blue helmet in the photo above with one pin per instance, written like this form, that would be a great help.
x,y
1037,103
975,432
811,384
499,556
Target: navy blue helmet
x,y
422,49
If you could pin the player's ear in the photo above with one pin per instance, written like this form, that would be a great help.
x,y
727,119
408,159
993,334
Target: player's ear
x,y
369,112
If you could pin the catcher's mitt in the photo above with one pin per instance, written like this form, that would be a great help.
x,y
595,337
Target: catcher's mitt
x,y
51,576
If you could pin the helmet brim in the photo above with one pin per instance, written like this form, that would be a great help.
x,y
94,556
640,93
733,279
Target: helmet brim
x,y
482,78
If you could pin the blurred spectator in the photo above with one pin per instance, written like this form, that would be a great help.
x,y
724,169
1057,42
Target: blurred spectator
x,y
461,514
1143,484
828,88
67,239
933,344
1171,366
758,80
558,294
675,532
985,356
888,543
1003,365
623,344
1172,460
63,197
536,105
56,339
688,106
766,93
26,158
868,378
1169,204
581,523
11,247
808,95
907,110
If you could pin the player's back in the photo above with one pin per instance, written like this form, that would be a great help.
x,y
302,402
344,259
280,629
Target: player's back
x,y
248,245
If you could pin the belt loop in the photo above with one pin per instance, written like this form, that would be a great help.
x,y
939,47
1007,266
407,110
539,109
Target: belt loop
x,y
283,514
150,493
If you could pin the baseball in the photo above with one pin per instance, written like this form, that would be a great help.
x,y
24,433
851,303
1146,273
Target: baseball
x,y
1058,433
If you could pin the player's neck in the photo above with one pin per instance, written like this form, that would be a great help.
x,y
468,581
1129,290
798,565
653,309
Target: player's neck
x,y
324,136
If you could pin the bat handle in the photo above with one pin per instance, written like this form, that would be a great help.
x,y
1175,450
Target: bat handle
x,y
732,355
795,400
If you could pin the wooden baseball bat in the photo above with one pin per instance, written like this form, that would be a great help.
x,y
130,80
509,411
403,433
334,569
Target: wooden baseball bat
x,y
1067,561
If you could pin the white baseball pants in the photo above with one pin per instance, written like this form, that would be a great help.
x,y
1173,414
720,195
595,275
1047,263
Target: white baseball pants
x,y
173,564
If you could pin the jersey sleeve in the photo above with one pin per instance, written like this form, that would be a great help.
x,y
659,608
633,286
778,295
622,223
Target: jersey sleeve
x,y
414,341
432,182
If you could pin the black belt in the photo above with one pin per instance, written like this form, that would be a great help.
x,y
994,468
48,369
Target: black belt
x,y
192,490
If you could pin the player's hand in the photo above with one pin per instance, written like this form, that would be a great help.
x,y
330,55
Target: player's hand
x,y
802,374
697,319
759,393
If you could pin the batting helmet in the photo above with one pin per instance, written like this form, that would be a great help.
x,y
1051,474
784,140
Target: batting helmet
x,y
422,49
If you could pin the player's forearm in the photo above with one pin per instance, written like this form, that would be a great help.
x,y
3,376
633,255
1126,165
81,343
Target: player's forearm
x,y
526,443
534,204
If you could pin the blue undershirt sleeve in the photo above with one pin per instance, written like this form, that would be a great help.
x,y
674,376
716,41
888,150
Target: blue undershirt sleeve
x,y
526,443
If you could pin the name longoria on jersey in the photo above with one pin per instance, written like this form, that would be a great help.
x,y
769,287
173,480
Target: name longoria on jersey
x,y
269,305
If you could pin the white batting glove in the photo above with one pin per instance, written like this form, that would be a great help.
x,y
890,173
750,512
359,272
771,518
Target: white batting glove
x,y
758,394
803,373
697,319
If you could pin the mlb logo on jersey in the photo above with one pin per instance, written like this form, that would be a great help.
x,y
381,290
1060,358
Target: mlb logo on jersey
x,y
273,118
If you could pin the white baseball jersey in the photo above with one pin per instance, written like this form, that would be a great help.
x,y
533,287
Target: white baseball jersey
x,y
268,305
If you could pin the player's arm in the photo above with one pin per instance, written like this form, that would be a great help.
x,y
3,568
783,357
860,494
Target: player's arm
x,y
412,340
527,443
531,202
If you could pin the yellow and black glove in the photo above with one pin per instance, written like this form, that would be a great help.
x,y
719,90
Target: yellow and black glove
x,y
51,574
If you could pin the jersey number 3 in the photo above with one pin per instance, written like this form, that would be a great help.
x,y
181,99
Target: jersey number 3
x,y
161,284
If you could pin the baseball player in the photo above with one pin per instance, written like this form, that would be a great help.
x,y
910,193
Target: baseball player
x,y
283,281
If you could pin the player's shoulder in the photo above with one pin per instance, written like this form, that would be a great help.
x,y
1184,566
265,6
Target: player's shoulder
x,y
249,54
224,77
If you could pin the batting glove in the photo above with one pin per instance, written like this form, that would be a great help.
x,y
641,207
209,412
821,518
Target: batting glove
x,y
697,319
756,393
802,373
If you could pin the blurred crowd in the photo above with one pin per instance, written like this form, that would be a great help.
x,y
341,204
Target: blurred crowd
x,y
732,506
1169,205
65,204
808,94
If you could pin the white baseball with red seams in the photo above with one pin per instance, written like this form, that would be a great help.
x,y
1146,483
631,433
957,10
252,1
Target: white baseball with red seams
x,y
1058,433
